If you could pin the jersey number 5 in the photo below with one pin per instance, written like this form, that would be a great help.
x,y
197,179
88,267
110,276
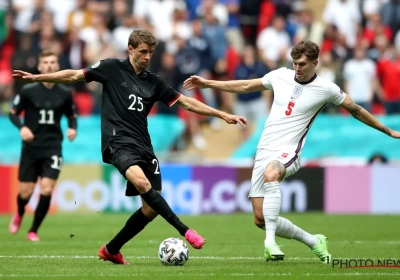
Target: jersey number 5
x,y
139,105
290,106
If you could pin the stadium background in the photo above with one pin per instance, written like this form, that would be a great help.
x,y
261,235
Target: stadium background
x,y
206,164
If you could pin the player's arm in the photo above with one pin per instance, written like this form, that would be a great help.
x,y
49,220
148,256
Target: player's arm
x,y
193,105
18,106
235,86
68,76
364,116
70,113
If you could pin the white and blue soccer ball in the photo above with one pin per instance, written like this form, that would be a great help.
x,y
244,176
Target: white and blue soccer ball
x,y
173,252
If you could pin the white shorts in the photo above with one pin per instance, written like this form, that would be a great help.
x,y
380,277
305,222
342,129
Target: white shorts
x,y
263,157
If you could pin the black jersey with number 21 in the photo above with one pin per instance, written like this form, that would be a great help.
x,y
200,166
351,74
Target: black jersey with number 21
x,y
43,108
126,102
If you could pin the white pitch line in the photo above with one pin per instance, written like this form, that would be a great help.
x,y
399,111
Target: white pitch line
x,y
144,257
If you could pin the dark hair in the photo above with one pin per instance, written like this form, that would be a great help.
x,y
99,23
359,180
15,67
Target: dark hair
x,y
140,36
46,53
306,47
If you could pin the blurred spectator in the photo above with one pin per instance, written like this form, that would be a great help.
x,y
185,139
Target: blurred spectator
x,y
80,17
252,106
23,10
159,14
218,10
233,32
388,69
25,59
60,9
249,14
390,12
215,33
168,74
74,50
274,51
346,16
309,28
374,27
360,82
188,62
327,67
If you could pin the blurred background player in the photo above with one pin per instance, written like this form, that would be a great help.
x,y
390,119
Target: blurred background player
x,y
299,96
43,105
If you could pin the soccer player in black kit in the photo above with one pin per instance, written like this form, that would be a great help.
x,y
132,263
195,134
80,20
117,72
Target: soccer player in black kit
x,y
43,105
129,92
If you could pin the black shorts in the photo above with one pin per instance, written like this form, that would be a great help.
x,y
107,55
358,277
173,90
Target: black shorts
x,y
32,167
123,157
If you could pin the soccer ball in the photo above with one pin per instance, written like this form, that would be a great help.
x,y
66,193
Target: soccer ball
x,y
173,251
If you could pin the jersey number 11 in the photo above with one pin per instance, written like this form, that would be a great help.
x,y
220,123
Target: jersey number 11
x,y
44,114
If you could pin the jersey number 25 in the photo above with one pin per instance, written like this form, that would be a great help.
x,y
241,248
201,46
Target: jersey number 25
x,y
290,106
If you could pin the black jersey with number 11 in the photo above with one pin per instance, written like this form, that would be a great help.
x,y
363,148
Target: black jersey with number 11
x,y
126,102
43,108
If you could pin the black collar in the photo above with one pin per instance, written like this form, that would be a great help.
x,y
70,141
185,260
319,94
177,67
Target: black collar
x,y
307,82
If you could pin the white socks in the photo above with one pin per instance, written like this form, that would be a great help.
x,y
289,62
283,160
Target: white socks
x,y
275,225
271,208
287,229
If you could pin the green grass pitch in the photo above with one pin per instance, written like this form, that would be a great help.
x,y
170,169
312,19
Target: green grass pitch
x,y
233,250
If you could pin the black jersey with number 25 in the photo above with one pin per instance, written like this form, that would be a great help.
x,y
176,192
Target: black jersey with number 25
x,y
126,102
43,108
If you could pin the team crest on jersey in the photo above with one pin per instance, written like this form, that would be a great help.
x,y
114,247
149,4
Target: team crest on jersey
x,y
297,92
135,88
16,100
95,65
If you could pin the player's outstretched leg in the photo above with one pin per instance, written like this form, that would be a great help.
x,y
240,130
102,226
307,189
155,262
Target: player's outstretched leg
x,y
136,176
271,207
317,243
22,200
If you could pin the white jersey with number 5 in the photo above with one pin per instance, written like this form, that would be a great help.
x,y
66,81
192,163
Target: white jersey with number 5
x,y
294,109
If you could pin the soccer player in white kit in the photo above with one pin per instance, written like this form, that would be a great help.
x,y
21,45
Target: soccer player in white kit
x,y
299,95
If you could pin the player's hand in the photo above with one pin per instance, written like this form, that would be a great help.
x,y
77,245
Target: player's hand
x,y
26,134
194,82
71,134
23,76
394,134
232,119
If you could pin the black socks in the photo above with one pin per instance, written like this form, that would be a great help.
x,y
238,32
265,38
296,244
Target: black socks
x,y
41,211
158,204
135,224
21,205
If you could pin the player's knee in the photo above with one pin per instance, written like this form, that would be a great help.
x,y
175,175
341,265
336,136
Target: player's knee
x,y
274,172
271,176
142,184
26,193
46,190
26,190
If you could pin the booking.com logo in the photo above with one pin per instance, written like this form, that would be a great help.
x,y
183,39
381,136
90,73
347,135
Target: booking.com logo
x,y
365,263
